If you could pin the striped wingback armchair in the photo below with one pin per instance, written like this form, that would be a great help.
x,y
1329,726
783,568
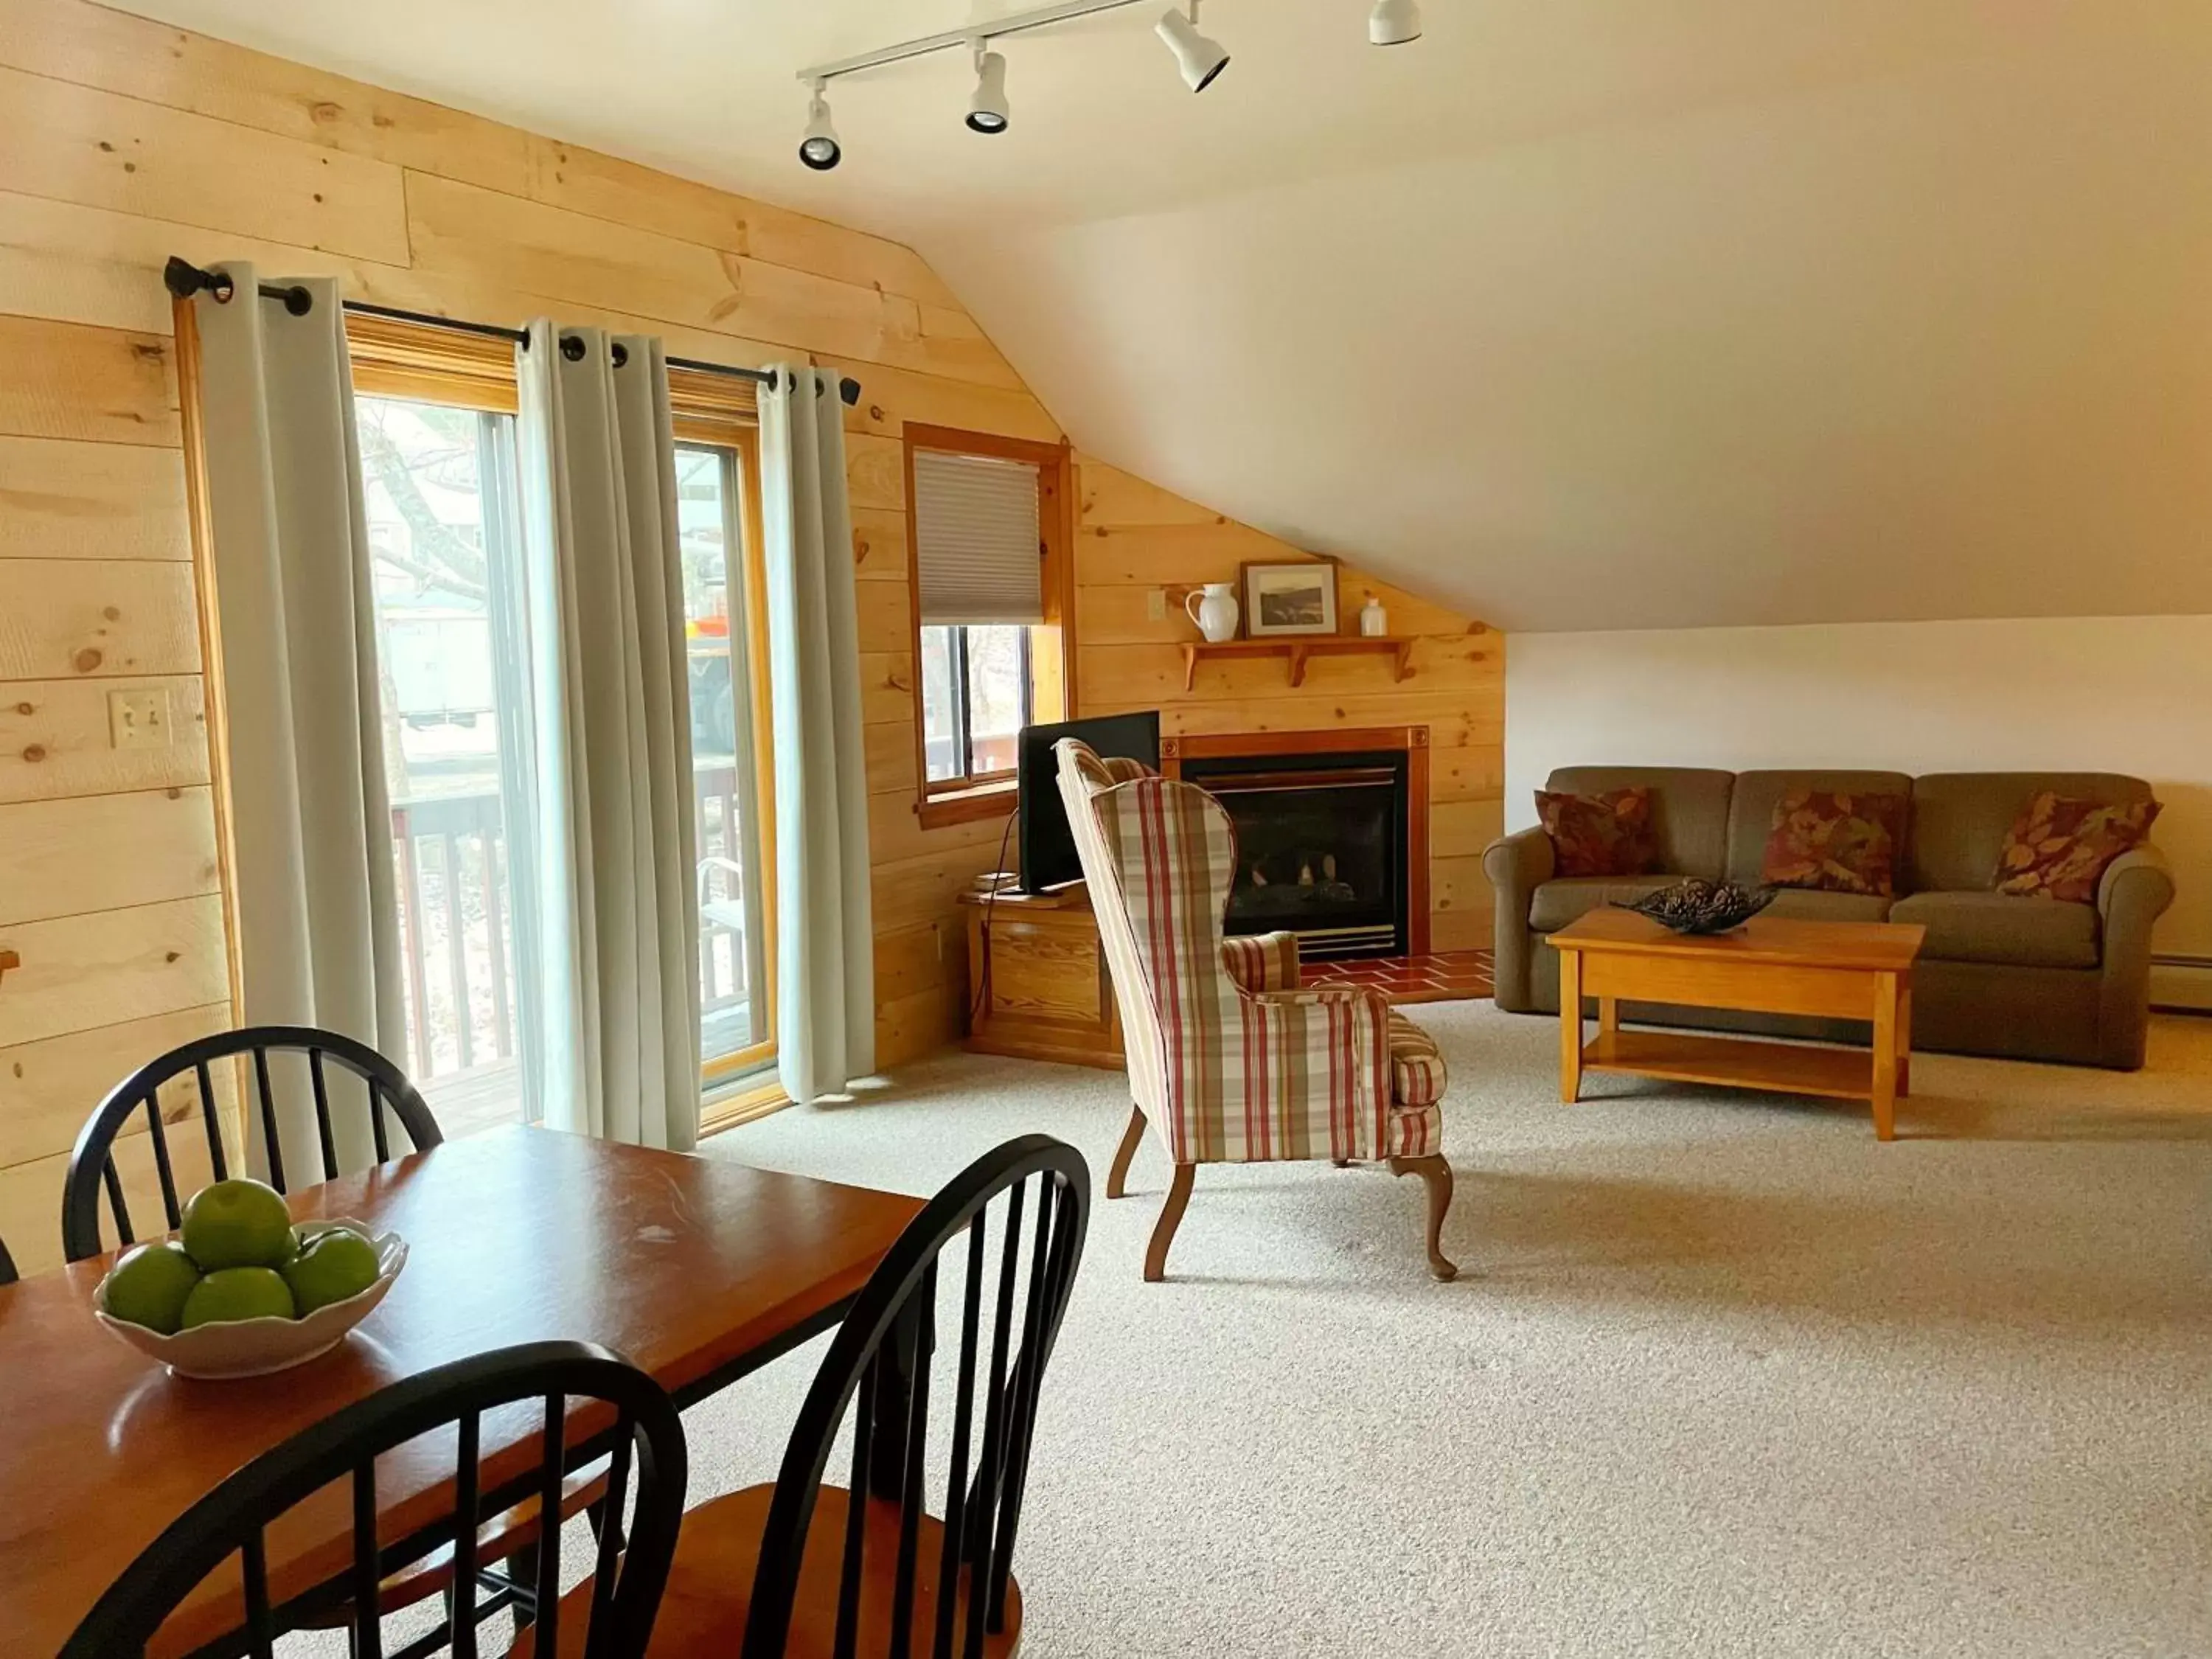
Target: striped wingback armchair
x,y
1229,1059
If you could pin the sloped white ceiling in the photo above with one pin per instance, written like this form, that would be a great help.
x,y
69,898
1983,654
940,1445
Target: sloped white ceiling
x,y
1641,313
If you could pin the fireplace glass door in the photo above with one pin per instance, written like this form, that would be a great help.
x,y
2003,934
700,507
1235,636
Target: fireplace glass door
x,y
1321,848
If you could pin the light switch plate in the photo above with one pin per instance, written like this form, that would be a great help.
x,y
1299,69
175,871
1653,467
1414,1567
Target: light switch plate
x,y
1156,604
138,718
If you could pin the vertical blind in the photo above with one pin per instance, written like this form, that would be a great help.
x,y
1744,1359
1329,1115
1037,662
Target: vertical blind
x,y
976,538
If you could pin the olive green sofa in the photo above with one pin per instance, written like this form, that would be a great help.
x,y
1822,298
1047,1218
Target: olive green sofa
x,y
2027,978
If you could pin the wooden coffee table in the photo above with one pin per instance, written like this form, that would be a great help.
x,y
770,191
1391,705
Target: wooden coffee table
x,y
1826,969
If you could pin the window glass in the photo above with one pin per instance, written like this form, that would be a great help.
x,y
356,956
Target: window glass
x,y
731,921
439,507
998,697
976,698
941,743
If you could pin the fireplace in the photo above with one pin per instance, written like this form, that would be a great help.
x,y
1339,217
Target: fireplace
x,y
1332,833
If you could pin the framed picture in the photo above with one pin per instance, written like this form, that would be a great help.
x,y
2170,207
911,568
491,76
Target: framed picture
x,y
1289,598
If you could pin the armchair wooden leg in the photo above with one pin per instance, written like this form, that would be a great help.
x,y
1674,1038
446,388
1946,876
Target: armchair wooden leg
x,y
1437,1174
1117,1178
1163,1230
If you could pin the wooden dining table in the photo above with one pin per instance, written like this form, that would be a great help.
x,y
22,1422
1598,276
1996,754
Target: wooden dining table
x,y
697,1269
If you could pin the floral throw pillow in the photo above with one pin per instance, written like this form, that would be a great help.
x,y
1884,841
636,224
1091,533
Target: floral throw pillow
x,y
1838,843
2059,847
1608,835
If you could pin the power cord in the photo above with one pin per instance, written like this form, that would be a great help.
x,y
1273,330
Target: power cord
x,y
990,901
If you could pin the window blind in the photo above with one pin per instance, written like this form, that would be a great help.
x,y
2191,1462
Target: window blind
x,y
976,538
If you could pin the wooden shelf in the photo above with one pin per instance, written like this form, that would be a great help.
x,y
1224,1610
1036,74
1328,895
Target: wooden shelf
x,y
1737,1062
10,959
1299,648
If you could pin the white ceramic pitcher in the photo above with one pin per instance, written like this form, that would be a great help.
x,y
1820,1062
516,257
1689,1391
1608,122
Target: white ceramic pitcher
x,y
1214,607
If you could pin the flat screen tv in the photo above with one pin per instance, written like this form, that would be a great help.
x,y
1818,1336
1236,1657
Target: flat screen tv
x,y
1047,847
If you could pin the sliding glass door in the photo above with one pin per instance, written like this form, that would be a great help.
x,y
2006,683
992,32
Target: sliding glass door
x,y
440,487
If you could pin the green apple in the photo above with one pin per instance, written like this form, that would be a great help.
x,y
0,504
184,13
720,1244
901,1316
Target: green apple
x,y
149,1286
330,1267
238,1223
231,1293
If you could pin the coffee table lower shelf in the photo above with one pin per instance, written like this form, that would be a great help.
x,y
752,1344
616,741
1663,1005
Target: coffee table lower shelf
x,y
1735,1062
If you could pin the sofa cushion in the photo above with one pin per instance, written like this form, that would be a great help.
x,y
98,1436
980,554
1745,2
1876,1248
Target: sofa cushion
x,y
1562,899
1810,904
2059,848
1994,929
1751,809
1689,809
1835,842
1600,834
1961,819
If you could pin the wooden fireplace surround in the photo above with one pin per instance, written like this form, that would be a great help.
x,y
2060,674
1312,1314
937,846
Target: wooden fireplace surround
x,y
1038,984
1412,741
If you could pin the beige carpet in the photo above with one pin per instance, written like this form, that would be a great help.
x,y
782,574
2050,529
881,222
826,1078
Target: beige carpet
x,y
1723,1376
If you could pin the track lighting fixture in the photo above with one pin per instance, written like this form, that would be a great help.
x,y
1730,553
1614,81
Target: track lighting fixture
x,y
1198,59
1389,23
988,110
819,149
1394,23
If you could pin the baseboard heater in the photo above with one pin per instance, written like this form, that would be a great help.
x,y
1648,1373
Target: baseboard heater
x,y
2181,982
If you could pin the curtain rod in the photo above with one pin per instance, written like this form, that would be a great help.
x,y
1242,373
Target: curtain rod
x,y
184,279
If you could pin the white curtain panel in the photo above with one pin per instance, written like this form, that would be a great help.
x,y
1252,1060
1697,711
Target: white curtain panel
x,y
826,945
610,870
310,819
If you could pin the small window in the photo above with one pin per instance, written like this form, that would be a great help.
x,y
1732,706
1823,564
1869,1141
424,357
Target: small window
x,y
975,697
988,547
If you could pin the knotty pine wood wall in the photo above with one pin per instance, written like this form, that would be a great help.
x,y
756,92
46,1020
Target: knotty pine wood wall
x,y
1132,537
123,141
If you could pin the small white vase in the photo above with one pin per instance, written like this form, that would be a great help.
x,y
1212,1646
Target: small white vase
x,y
1214,608
1374,621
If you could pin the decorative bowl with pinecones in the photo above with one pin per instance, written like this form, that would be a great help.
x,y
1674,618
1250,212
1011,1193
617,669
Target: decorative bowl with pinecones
x,y
1696,906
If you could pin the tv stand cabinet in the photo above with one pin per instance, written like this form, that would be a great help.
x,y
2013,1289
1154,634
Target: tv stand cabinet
x,y
1038,986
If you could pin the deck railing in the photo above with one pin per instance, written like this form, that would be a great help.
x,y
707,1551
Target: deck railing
x,y
456,921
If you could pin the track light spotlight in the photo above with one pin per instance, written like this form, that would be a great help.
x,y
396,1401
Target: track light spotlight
x,y
819,148
1199,58
988,110
1394,22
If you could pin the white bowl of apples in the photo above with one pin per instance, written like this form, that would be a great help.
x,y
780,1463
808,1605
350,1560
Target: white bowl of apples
x,y
240,1291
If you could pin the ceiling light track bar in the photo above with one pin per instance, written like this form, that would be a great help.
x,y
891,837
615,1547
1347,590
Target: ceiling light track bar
x,y
996,28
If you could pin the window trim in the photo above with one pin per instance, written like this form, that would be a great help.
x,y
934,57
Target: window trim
x,y
720,412
1051,642
702,424
409,360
